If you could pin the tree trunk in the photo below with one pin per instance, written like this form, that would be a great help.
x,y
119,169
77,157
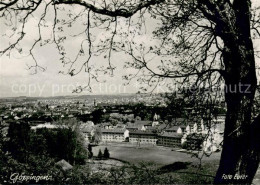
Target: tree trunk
x,y
240,155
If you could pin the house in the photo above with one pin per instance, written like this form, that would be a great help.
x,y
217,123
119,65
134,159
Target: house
x,y
217,125
120,126
56,114
106,125
163,126
213,142
126,135
155,123
138,125
195,128
156,118
64,165
179,121
151,129
74,112
132,128
220,118
146,126
187,129
88,131
174,129
47,113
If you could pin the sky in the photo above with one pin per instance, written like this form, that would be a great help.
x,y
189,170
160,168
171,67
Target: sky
x,y
17,80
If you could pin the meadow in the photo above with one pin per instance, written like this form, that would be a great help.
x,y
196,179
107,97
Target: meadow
x,y
155,154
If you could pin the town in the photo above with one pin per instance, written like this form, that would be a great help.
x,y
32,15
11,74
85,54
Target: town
x,y
72,133
134,119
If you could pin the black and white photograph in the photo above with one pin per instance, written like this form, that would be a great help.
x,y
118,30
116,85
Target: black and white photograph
x,y
129,92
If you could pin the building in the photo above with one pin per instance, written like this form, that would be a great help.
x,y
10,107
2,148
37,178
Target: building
x,y
88,130
174,129
143,137
156,118
219,119
170,139
212,142
114,135
194,141
48,126
138,125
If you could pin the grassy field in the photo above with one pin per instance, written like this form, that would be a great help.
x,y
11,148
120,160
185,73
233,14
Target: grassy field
x,y
158,155
181,166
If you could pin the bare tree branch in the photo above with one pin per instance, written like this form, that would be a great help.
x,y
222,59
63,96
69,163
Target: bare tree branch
x,y
113,13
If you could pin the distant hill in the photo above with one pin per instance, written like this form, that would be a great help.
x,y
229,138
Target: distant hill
x,y
101,96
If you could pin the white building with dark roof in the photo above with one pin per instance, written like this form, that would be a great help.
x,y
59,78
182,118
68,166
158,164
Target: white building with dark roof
x,y
114,135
